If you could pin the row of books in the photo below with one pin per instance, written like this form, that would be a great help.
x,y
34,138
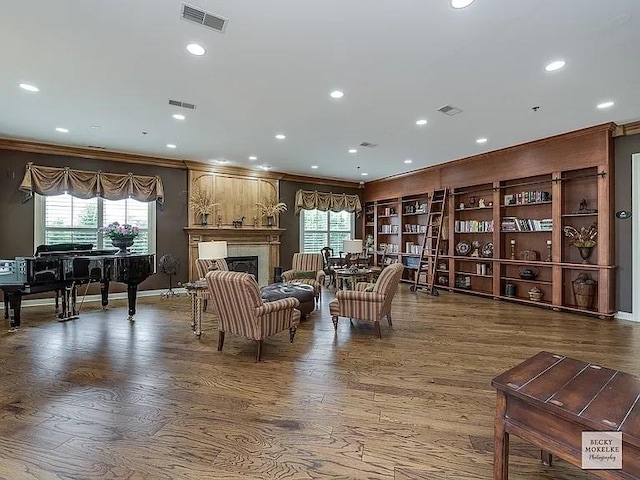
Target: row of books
x,y
515,224
413,228
389,247
472,226
389,229
534,196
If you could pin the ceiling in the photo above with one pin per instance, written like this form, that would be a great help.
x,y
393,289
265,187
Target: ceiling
x,y
107,69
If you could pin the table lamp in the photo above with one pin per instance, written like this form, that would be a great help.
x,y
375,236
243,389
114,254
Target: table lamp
x,y
354,247
212,251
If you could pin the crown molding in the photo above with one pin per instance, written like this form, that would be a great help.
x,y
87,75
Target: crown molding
x,y
631,128
87,152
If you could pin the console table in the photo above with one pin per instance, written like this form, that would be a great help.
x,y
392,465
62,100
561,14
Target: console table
x,y
549,400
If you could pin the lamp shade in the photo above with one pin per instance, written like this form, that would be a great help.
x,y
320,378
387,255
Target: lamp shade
x,y
352,246
212,250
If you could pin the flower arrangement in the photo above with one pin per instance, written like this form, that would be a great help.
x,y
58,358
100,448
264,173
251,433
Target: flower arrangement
x,y
115,231
271,209
583,238
201,203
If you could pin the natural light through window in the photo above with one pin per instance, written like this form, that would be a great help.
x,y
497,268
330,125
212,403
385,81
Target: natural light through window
x,y
66,219
321,229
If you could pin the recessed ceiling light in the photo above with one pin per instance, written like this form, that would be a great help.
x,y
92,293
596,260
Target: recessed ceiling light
x,y
179,116
408,160
353,150
253,157
557,65
222,161
461,3
95,127
481,140
280,136
364,174
422,121
195,49
265,167
28,87
171,145
314,166
337,94
605,105
62,130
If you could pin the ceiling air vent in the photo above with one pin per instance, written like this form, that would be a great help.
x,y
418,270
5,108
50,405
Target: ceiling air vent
x,y
177,103
199,16
368,145
450,110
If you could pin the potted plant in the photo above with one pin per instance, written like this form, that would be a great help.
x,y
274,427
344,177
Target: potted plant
x,y
584,239
270,210
121,236
201,204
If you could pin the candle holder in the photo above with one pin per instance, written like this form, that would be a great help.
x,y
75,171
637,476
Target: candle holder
x,y
513,249
549,258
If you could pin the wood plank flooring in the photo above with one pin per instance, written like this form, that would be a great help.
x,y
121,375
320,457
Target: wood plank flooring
x,y
99,397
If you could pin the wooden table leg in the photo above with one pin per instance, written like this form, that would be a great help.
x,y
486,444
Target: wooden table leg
x,y
501,441
546,457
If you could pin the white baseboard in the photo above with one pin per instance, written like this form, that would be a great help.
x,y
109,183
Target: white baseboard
x,y
626,316
98,298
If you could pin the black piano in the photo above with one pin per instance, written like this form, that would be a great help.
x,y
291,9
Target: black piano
x,y
62,268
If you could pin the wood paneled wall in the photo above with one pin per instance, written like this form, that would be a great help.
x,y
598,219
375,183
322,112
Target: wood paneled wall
x,y
583,148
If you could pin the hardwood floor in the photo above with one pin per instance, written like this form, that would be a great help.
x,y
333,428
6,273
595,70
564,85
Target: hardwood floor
x,y
98,397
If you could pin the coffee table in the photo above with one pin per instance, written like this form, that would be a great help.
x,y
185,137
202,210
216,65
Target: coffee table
x,y
549,400
304,293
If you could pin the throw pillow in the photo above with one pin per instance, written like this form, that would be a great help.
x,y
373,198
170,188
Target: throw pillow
x,y
301,274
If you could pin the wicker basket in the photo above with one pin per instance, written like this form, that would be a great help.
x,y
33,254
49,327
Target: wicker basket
x,y
584,292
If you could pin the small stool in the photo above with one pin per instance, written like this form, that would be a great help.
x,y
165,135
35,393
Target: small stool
x,y
304,293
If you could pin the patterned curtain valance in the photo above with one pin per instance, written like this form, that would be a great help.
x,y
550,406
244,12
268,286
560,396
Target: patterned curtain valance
x,y
84,184
336,202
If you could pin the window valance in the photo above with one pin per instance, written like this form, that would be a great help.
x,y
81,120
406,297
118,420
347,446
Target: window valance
x,y
85,184
336,202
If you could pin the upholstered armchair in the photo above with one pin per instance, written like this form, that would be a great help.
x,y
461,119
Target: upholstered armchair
x,y
240,309
307,268
369,301
205,265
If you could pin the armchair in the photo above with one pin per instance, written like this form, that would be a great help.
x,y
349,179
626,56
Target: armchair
x,y
306,268
241,310
369,301
205,265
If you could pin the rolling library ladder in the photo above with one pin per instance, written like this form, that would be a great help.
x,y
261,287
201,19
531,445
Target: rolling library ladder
x,y
431,243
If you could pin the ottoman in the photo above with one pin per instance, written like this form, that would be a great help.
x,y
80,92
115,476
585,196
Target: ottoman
x,y
304,293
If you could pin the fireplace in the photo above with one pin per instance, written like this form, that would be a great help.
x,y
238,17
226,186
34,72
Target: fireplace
x,y
260,242
246,263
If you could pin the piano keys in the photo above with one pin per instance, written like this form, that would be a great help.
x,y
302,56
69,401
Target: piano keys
x,y
62,268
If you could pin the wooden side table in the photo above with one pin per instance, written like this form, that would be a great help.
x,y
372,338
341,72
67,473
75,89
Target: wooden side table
x,y
199,293
549,400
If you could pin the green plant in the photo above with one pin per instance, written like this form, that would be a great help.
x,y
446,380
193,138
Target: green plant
x,y
585,237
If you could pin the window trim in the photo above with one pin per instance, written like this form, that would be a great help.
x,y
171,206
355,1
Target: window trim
x,y
39,222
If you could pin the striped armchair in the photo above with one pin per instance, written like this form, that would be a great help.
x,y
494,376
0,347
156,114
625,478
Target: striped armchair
x,y
306,262
203,266
240,309
368,305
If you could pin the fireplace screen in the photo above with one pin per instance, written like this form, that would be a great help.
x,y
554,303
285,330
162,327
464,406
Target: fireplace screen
x,y
246,264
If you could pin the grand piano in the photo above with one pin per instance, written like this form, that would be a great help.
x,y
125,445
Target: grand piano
x,y
62,268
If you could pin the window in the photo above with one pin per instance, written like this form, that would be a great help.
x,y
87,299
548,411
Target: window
x,y
321,229
66,219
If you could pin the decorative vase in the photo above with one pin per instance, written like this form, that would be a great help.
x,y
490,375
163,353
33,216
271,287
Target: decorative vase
x,y
203,218
585,253
122,244
271,220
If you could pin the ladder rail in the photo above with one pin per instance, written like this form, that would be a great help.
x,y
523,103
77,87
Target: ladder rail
x,y
431,242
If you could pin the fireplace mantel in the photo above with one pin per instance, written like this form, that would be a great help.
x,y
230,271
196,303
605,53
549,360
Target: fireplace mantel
x,y
242,236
